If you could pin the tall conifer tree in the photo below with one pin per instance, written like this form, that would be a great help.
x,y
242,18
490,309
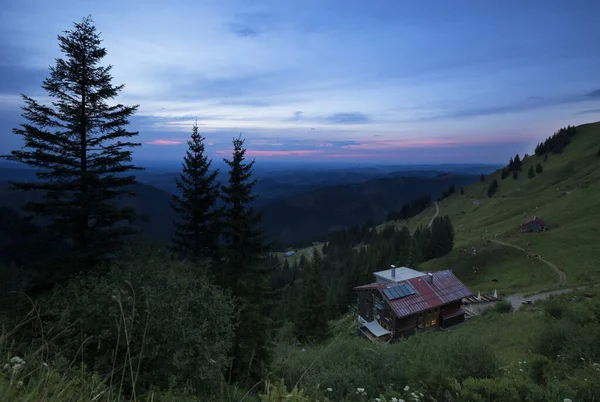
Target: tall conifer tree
x,y
197,229
243,268
312,321
80,149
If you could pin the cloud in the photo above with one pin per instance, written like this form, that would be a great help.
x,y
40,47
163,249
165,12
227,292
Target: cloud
x,y
347,118
298,116
590,111
594,94
529,104
243,30
164,142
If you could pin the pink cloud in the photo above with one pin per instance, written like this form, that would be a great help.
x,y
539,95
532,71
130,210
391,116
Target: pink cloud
x,y
252,152
164,142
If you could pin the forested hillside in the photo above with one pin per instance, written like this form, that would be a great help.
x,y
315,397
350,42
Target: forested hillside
x,y
333,208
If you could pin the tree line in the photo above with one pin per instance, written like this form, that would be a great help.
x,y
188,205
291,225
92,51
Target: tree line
x,y
557,142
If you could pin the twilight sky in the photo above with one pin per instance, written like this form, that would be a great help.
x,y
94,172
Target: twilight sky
x,y
349,80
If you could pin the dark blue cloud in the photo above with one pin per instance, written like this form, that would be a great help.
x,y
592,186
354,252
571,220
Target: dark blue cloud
x,y
590,111
594,94
243,30
531,103
347,118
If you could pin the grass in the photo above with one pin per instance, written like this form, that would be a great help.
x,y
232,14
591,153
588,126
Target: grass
x,y
565,196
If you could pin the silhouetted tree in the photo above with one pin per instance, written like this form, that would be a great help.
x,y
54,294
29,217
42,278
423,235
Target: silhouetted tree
x,y
462,191
80,148
243,269
515,174
504,174
546,158
197,229
531,172
312,322
441,238
511,165
492,188
517,163
538,168
482,177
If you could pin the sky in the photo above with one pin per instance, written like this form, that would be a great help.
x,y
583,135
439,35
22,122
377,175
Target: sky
x,y
399,82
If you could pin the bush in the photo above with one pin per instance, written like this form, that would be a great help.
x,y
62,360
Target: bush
x,y
501,307
150,321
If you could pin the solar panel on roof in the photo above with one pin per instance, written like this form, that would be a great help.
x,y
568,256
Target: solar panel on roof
x,y
398,291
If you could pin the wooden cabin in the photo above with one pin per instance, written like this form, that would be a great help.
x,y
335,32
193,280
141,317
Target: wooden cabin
x,y
403,301
534,225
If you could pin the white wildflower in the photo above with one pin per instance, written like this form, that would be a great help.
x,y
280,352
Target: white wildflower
x,y
414,395
6,367
19,384
520,362
401,400
406,388
394,399
567,400
16,360
329,389
520,369
360,389
45,365
378,399
420,394
524,361
17,367
582,359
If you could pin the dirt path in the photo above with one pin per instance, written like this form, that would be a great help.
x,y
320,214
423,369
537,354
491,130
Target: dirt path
x,y
562,278
437,211
517,299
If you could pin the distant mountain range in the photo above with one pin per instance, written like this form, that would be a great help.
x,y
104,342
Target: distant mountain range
x,y
336,207
296,205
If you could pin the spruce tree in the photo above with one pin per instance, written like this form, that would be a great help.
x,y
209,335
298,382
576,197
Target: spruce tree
x,y
515,175
81,150
517,163
531,172
546,157
504,174
197,229
538,168
492,188
311,323
511,165
243,269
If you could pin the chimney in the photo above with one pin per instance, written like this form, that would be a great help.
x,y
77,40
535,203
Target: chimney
x,y
430,277
393,271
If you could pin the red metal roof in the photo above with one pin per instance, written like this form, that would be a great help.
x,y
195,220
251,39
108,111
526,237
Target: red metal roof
x,y
534,219
446,288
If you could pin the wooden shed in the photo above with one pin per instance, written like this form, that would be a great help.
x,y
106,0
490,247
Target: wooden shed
x,y
535,224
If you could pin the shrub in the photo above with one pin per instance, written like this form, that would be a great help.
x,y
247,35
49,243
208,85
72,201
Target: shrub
x,y
501,307
149,321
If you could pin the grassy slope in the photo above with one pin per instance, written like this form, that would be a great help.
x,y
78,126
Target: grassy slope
x,y
566,196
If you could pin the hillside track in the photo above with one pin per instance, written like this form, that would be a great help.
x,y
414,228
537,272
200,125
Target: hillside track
x,y
437,211
562,278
